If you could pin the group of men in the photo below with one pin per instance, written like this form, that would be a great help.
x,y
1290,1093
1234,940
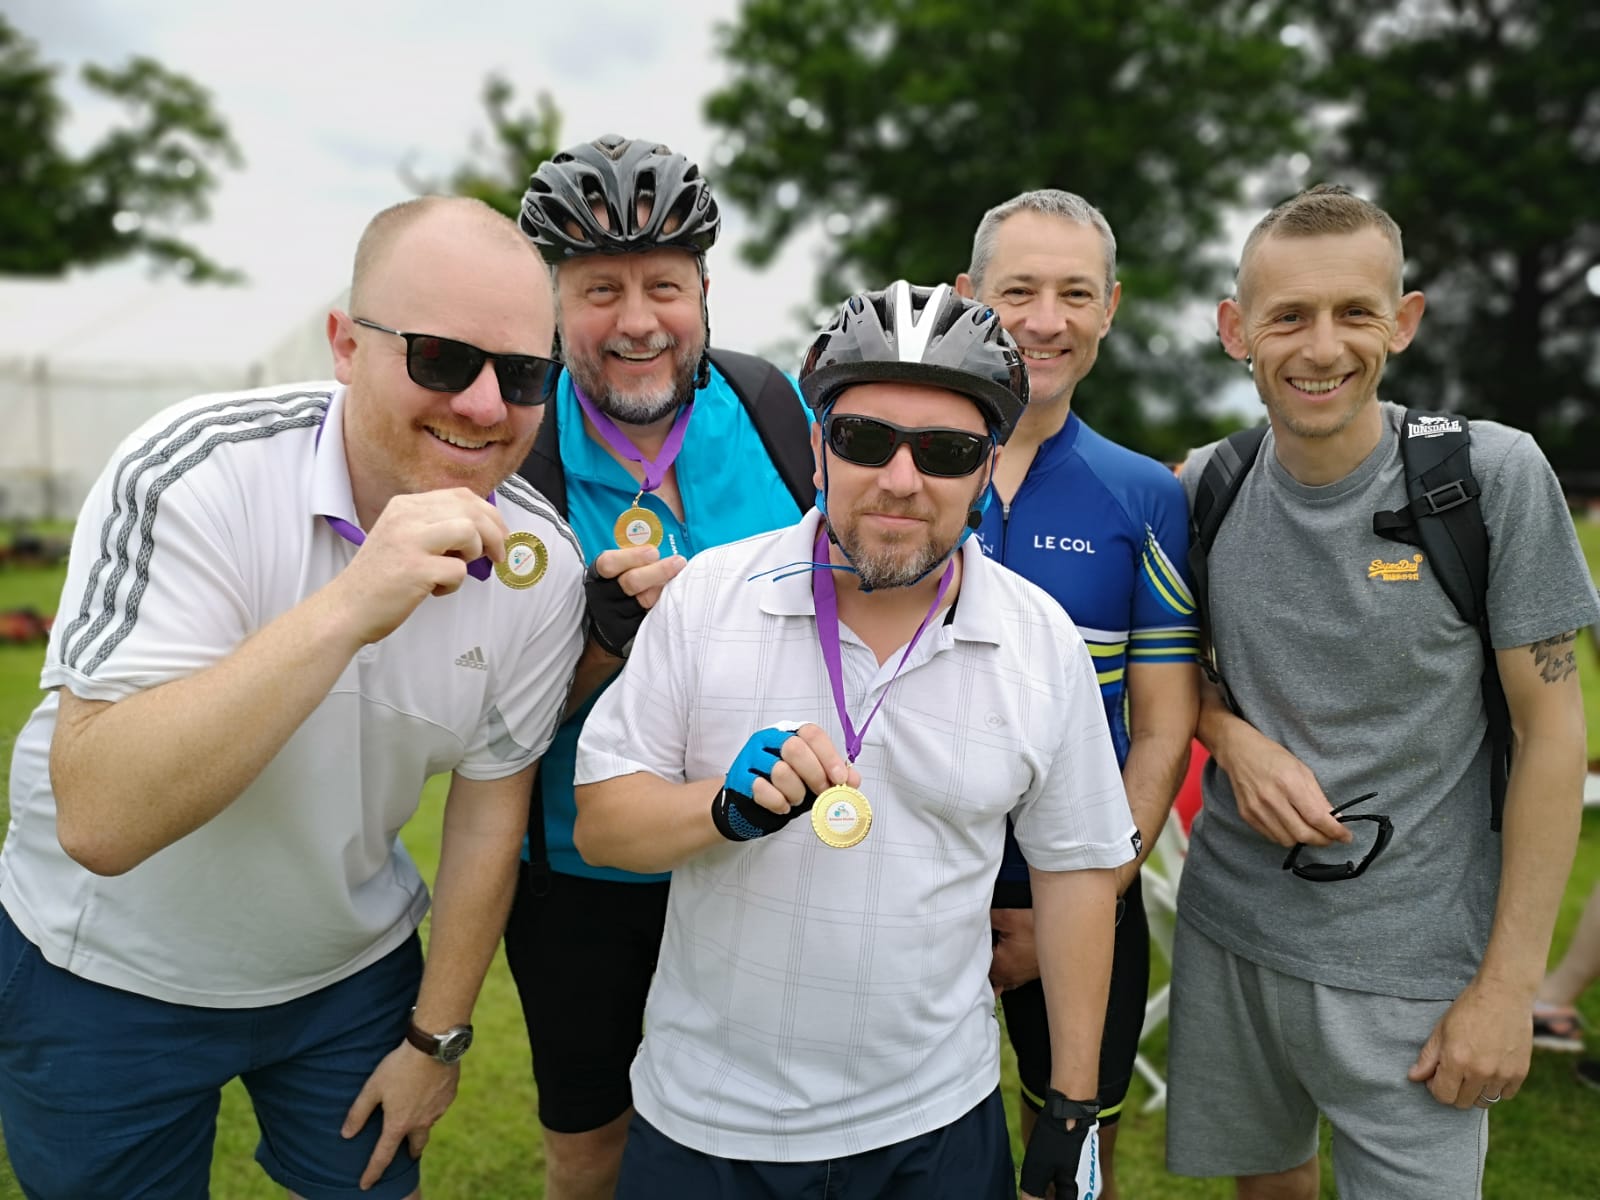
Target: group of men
x,y
818,716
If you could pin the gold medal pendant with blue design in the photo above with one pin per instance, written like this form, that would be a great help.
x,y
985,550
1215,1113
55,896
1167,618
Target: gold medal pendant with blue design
x,y
638,526
841,817
525,561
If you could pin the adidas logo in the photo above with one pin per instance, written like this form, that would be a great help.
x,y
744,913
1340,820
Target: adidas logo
x,y
473,658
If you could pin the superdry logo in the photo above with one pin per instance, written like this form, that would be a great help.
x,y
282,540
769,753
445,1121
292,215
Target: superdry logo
x,y
473,658
1394,572
1071,544
1427,427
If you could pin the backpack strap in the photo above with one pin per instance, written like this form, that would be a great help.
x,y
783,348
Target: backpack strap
x,y
1220,481
776,411
1443,518
542,467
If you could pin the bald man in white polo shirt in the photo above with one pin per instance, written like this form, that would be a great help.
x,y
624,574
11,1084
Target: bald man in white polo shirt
x,y
285,609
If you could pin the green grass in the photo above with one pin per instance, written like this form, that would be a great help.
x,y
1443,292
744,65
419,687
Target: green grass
x,y
1588,648
487,1147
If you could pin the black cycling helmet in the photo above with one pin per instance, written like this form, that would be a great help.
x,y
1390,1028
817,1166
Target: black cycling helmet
x,y
622,178
907,334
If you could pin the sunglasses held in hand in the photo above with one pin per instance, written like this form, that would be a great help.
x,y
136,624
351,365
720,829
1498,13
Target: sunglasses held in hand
x,y
443,364
1333,872
869,442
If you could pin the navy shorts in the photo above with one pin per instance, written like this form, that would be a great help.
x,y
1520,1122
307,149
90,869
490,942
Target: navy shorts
x,y
968,1159
1029,1030
109,1094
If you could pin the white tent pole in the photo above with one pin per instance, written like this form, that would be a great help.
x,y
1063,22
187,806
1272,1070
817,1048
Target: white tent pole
x,y
47,484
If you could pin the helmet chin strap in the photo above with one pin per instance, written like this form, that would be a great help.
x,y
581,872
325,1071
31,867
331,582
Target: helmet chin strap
x,y
702,371
974,517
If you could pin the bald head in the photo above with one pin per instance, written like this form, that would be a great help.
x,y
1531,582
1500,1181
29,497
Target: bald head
x,y
444,215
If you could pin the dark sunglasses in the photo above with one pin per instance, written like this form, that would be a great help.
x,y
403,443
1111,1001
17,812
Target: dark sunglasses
x,y
443,364
1333,872
869,442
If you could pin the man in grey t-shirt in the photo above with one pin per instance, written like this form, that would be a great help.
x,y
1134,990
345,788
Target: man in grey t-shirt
x,y
1395,1002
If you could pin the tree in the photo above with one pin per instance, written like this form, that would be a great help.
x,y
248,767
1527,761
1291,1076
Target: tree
x,y
897,123
58,211
1476,124
499,171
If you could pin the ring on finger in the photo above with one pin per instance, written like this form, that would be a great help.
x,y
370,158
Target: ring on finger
x,y
1487,1100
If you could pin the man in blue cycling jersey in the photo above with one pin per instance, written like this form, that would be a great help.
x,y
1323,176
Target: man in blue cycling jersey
x,y
1105,532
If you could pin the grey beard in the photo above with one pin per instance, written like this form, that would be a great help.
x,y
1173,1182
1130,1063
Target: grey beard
x,y
645,409
639,410
880,569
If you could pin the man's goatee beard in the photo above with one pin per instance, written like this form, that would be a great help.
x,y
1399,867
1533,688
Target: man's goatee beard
x,y
880,569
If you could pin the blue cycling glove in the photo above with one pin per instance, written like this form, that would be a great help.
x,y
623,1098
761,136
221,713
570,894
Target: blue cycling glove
x,y
736,815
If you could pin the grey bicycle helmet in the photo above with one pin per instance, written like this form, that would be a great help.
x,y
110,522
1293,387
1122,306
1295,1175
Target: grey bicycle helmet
x,y
651,198
907,334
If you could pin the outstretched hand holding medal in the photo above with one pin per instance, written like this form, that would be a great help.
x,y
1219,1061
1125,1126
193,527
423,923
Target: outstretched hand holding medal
x,y
621,586
777,777
422,544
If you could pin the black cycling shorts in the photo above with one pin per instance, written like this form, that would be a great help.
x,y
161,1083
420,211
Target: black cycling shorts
x,y
582,956
1029,1029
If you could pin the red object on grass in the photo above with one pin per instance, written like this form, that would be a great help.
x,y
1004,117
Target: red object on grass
x,y
1188,801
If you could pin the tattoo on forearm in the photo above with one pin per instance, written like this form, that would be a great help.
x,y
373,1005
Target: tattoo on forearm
x,y
1556,657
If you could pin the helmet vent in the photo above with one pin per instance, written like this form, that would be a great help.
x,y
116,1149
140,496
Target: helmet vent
x,y
644,201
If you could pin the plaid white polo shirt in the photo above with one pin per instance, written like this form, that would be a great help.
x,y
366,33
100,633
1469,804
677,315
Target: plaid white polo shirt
x,y
813,1003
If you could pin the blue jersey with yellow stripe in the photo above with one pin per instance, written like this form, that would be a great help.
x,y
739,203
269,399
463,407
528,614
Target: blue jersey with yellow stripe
x,y
1106,532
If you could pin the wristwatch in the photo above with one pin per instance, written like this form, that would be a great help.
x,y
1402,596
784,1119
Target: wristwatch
x,y
1058,1107
446,1047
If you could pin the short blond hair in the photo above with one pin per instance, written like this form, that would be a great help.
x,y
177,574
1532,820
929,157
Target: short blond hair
x,y
1327,208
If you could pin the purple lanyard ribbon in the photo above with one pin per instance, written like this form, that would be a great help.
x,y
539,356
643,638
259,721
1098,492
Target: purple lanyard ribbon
x,y
655,469
478,568
827,602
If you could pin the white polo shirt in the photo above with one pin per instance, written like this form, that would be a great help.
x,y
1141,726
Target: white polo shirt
x,y
206,525
812,1003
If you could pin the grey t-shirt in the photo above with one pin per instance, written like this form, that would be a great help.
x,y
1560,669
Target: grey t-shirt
x,y
1340,646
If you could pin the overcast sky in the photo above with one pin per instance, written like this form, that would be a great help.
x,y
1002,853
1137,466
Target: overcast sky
x,y
328,98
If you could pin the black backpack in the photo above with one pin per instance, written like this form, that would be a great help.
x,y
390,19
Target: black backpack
x,y
1442,518
777,413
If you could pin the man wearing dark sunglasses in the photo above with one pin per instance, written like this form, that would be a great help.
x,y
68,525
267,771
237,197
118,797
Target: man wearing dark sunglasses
x,y
1380,973
285,610
655,447
1105,531
821,1021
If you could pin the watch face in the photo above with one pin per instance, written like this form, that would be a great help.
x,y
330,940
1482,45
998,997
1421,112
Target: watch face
x,y
453,1045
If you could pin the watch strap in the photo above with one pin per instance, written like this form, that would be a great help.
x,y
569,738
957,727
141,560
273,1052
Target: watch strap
x,y
428,1043
432,1044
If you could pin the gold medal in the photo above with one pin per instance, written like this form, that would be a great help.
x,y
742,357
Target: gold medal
x,y
841,817
638,527
525,561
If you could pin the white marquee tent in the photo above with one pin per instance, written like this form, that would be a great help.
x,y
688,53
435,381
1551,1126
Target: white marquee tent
x,y
84,360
